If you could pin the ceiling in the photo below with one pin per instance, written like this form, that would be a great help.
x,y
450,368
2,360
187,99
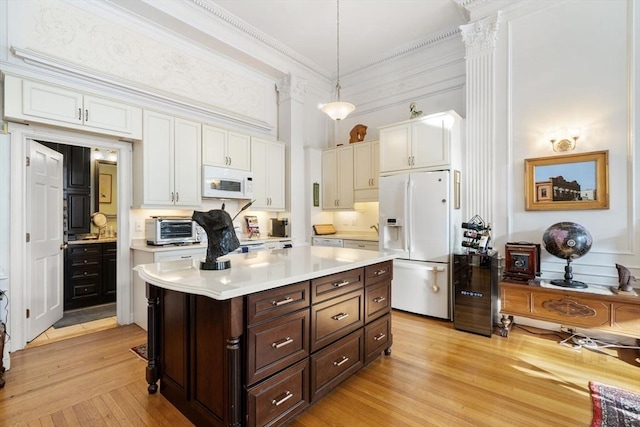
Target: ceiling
x,y
370,30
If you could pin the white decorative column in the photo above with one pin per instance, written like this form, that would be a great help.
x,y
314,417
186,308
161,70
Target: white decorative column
x,y
291,91
480,171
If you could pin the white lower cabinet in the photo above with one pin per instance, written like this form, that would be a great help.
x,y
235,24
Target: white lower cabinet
x,y
145,255
368,245
167,165
267,167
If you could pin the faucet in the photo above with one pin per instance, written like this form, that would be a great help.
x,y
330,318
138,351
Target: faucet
x,y
375,227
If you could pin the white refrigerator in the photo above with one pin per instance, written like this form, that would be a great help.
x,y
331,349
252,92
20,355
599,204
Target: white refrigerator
x,y
417,223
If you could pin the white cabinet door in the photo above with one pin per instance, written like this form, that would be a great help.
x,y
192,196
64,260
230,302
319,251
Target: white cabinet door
x,y
345,178
267,167
259,171
187,163
362,166
224,148
276,166
366,171
157,153
239,151
169,156
337,178
430,144
329,179
395,148
214,146
51,102
106,114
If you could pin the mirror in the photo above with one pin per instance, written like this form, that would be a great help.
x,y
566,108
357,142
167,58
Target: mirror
x,y
106,185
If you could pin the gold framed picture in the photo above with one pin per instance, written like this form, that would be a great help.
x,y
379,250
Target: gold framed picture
x,y
104,188
568,182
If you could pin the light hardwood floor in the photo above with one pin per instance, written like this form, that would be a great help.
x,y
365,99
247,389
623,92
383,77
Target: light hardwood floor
x,y
435,376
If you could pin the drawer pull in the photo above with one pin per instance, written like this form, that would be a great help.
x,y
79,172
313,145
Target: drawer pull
x,y
287,300
282,343
380,336
379,299
341,362
287,395
340,316
340,284
380,272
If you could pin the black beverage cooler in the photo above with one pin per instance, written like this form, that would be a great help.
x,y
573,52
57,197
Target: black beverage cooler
x,y
475,282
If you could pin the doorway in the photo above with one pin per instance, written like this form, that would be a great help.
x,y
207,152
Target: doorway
x,y
20,278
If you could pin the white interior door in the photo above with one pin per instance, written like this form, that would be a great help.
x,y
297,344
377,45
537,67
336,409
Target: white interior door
x,y
45,228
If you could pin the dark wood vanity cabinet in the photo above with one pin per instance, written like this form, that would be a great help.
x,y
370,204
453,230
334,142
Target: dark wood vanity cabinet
x,y
90,275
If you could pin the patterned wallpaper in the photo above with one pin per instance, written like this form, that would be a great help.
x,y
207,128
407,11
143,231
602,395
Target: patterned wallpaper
x,y
73,35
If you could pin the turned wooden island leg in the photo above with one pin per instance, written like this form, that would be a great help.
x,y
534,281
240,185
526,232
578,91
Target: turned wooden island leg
x,y
153,300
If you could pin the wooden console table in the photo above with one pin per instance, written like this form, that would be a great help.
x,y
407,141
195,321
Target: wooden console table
x,y
617,314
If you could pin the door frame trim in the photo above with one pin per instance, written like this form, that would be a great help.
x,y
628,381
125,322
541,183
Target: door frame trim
x,y
19,134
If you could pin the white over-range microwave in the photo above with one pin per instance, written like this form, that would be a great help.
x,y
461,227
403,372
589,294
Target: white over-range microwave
x,y
225,183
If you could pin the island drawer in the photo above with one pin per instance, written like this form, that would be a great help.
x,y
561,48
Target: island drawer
x,y
333,319
332,365
377,300
281,397
274,345
378,272
377,337
335,285
270,304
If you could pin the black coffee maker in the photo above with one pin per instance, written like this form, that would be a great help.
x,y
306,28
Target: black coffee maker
x,y
280,227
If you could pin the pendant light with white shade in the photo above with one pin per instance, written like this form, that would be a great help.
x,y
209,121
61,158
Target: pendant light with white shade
x,y
338,110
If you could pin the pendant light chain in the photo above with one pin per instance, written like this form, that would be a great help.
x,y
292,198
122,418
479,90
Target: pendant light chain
x,y
337,110
338,47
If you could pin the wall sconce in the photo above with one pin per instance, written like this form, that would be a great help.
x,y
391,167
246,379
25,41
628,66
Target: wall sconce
x,y
565,144
97,154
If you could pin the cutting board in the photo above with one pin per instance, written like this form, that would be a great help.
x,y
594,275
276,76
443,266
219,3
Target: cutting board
x,y
322,229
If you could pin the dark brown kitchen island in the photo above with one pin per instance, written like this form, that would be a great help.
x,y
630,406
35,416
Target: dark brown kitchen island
x,y
258,343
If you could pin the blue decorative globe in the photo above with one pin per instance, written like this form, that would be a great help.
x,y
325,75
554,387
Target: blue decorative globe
x,y
567,240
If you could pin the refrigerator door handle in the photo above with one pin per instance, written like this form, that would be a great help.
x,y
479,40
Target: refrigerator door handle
x,y
407,212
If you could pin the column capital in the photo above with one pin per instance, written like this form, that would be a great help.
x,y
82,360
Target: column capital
x,y
291,88
480,36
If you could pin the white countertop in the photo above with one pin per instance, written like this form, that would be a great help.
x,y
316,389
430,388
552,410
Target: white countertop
x,y
257,271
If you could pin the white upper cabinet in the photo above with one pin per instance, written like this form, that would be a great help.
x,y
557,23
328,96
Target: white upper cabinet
x,y
422,143
167,163
366,170
39,102
224,148
337,178
268,170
